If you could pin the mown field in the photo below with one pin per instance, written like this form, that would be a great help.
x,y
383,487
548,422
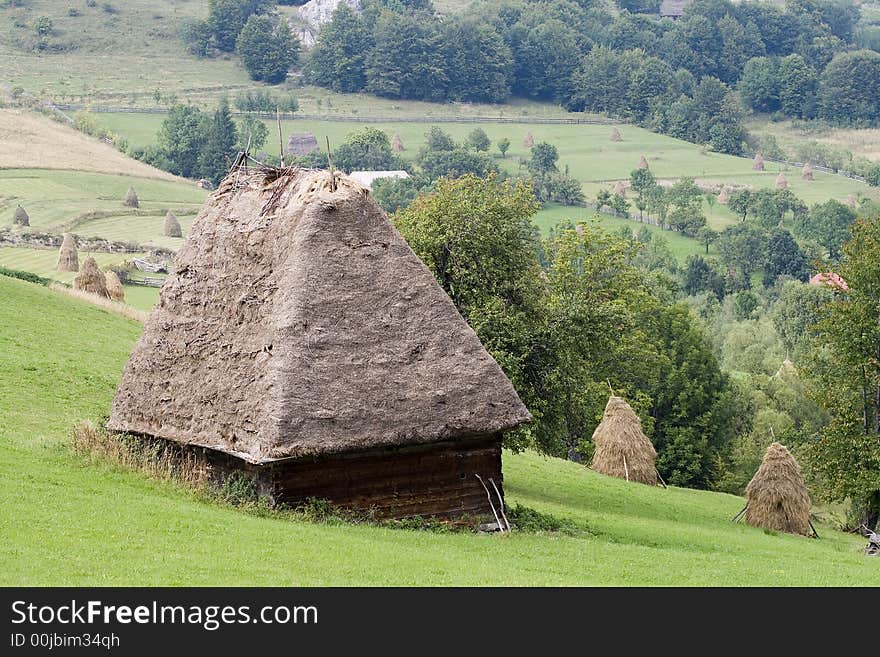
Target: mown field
x,y
69,522
584,149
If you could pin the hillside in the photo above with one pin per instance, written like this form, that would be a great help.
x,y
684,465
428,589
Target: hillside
x,y
95,524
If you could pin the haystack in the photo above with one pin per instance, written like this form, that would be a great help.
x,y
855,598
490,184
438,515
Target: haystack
x,y
643,162
397,143
301,144
171,227
851,201
758,164
529,140
777,496
621,447
619,188
723,196
807,172
68,259
91,279
781,181
131,198
114,286
786,370
299,340
21,217
615,135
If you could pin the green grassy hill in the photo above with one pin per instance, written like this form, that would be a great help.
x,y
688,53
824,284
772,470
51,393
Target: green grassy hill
x,y
67,522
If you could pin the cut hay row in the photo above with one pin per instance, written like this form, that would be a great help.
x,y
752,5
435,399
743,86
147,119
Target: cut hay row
x,y
102,302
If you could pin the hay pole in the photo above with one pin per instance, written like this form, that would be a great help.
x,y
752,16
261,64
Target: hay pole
x,y
330,164
491,505
660,477
815,533
625,469
280,137
500,503
739,515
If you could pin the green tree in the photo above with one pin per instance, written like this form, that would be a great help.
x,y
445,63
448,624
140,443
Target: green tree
x,y
438,140
544,60
252,134
504,143
455,163
544,158
796,313
479,140
798,83
759,84
267,49
742,249
338,60
479,65
226,19
828,225
849,89
180,139
784,258
218,147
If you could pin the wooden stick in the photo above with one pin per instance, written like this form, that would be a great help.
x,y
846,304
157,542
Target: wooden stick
x,y
737,516
660,477
330,163
500,503
492,506
625,469
815,533
280,138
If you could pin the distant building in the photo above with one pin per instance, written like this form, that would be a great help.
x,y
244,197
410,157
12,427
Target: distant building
x,y
366,178
301,144
830,279
674,8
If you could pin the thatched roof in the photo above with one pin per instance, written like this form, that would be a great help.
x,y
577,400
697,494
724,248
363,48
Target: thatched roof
x,y
298,322
830,279
643,162
114,286
781,181
68,258
91,279
758,164
621,449
807,172
615,135
300,144
777,496
171,226
20,217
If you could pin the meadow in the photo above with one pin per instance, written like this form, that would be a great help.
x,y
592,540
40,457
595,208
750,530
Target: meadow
x,y
67,520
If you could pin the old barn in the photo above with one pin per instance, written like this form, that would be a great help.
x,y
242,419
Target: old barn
x,y
301,342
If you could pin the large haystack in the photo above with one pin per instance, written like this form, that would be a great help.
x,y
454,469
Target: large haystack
x,y
298,332
781,181
777,496
615,135
529,140
758,164
723,196
621,447
131,198
68,259
91,279
114,286
21,217
643,162
171,227
397,143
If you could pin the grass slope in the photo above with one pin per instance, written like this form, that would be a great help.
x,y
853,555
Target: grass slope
x,y
65,522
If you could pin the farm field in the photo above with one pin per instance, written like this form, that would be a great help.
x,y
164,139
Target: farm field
x,y
584,149
107,526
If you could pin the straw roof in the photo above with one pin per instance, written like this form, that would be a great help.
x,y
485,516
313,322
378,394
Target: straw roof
x,y
21,217
68,259
114,286
621,447
397,143
777,496
807,172
643,162
298,322
723,196
615,135
171,227
781,181
301,143
758,164
91,279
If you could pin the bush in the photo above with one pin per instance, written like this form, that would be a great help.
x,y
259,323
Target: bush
x,y
43,26
24,276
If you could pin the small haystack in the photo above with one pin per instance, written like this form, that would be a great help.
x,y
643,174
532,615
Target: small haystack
x,y
643,162
21,217
723,196
301,144
615,135
68,259
851,201
807,172
397,143
529,140
204,183
787,369
619,188
171,227
781,181
621,448
114,286
91,279
131,198
777,496
758,164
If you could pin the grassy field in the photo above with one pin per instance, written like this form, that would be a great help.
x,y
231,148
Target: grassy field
x,y
42,262
585,150
863,142
67,522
